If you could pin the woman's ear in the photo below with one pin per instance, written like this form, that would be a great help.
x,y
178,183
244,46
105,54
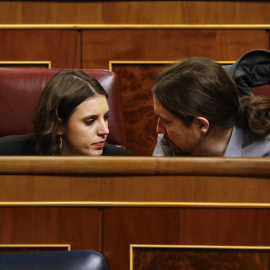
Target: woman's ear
x,y
201,124
60,130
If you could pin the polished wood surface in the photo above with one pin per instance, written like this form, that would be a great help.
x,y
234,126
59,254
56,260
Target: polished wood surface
x,y
167,45
109,166
181,226
134,181
78,227
61,48
135,12
111,203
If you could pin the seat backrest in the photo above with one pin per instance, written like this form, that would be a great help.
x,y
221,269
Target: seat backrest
x,y
262,90
67,260
20,90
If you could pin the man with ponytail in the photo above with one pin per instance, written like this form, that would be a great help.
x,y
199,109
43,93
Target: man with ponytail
x,y
200,113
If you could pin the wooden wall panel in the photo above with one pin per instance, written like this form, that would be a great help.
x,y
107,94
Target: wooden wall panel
x,y
134,12
128,188
181,226
61,47
102,46
51,226
136,81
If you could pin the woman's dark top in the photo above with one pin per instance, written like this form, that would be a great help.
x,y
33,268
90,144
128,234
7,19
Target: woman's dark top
x,y
22,145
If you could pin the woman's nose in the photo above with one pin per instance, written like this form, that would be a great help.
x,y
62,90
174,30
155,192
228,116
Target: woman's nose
x,y
103,128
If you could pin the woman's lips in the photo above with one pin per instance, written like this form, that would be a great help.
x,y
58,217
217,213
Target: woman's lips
x,y
100,144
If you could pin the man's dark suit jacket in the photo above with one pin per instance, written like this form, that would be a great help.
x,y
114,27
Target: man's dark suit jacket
x,y
22,145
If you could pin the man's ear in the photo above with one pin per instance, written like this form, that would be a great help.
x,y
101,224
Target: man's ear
x,y
60,130
201,124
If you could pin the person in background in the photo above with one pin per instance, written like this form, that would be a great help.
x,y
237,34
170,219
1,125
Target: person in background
x,y
71,119
200,114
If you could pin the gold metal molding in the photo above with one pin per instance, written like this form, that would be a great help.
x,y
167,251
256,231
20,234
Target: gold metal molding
x,y
25,63
11,246
133,246
135,204
111,63
137,26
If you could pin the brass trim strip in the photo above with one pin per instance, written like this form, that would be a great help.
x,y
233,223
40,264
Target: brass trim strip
x,y
138,62
48,63
136,26
131,257
198,246
111,63
35,246
136,204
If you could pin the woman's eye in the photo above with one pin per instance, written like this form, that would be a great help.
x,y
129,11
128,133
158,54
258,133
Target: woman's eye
x,y
106,117
89,122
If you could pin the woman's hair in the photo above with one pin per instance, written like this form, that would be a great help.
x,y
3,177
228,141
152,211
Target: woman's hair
x,y
64,92
201,87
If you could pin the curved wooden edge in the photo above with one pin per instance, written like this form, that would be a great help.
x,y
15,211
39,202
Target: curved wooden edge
x,y
136,26
246,167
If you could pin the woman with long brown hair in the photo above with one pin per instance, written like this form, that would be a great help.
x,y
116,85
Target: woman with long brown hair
x,y
71,119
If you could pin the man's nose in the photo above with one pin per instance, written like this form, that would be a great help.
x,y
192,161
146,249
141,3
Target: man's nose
x,y
160,127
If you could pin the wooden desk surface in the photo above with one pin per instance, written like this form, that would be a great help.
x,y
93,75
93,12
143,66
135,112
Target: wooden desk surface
x,y
110,204
136,166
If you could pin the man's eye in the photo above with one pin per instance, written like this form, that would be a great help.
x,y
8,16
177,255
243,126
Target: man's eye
x,y
164,121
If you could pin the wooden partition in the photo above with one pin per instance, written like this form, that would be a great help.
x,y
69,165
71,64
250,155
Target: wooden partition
x,y
142,213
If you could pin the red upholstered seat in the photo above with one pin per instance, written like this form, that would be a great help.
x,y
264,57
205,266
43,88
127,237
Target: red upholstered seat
x,y
262,90
20,90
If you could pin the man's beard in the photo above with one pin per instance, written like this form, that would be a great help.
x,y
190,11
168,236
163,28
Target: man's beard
x,y
177,151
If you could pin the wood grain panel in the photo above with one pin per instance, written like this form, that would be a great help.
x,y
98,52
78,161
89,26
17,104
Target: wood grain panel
x,y
102,46
244,227
62,48
164,190
136,82
135,12
78,227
